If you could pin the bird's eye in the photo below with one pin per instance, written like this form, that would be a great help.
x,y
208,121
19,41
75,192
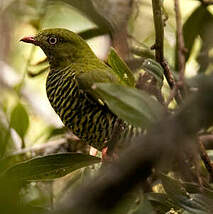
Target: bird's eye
x,y
52,40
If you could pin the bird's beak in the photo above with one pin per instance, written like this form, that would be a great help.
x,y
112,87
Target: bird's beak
x,y
29,39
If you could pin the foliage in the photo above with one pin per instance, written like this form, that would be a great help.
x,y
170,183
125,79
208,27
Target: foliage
x,y
44,168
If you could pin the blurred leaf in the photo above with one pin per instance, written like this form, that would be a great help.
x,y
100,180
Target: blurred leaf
x,y
107,14
161,202
129,203
145,207
121,68
56,131
192,27
87,8
50,166
19,120
194,203
130,104
155,69
91,33
4,138
206,34
173,187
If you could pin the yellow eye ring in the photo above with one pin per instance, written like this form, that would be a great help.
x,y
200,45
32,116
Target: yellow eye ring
x,y
52,40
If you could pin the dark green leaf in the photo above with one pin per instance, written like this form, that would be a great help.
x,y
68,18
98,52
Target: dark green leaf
x,y
121,68
162,201
192,26
206,33
130,104
19,120
50,166
155,69
145,207
194,203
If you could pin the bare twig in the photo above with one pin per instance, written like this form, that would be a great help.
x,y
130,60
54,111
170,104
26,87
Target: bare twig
x,y
159,45
207,140
180,44
206,160
43,147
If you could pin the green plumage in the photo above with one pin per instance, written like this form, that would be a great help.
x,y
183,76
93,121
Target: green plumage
x,y
74,69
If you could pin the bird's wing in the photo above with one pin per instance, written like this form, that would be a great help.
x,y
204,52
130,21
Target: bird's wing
x,y
87,80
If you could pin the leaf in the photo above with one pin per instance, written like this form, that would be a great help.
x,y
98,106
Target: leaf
x,y
206,34
162,201
19,120
145,207
192,26
50,166
121,68
91,33
130,104
88,8
155,69
194,203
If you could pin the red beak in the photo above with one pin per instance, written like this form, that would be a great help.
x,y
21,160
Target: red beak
x,y
29,39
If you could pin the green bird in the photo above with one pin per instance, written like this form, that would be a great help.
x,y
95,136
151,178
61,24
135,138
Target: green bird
x,y
74,69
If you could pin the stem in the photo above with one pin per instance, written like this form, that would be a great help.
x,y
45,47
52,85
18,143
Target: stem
x,y
180,43
159,46
206,160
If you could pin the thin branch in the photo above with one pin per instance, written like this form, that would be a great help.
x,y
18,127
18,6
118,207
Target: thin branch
x,y
159,30
159,45
43,147
180,44
206,160
207,141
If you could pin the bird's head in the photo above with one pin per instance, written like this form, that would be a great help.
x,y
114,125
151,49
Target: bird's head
x,y
60,45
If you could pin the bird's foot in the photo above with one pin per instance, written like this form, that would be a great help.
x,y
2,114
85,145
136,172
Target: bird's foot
x,y
107,157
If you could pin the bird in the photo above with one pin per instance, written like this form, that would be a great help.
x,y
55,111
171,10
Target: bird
x,y
74,69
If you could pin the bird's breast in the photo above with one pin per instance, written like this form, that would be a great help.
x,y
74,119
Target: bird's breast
x,y
89,120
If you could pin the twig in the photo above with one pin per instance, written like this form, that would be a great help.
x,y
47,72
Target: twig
x,y
206,160
207,141
159,45
159,30
175,93
42,147
180,44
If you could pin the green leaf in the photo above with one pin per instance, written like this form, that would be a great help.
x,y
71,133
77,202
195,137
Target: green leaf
x,y
162,201
19,120
50,166
194,203
130,104
155,69
192,26
121,68
145,207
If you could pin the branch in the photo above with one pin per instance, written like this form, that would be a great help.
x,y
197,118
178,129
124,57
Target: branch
x,y
159,45
206,160
180,45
